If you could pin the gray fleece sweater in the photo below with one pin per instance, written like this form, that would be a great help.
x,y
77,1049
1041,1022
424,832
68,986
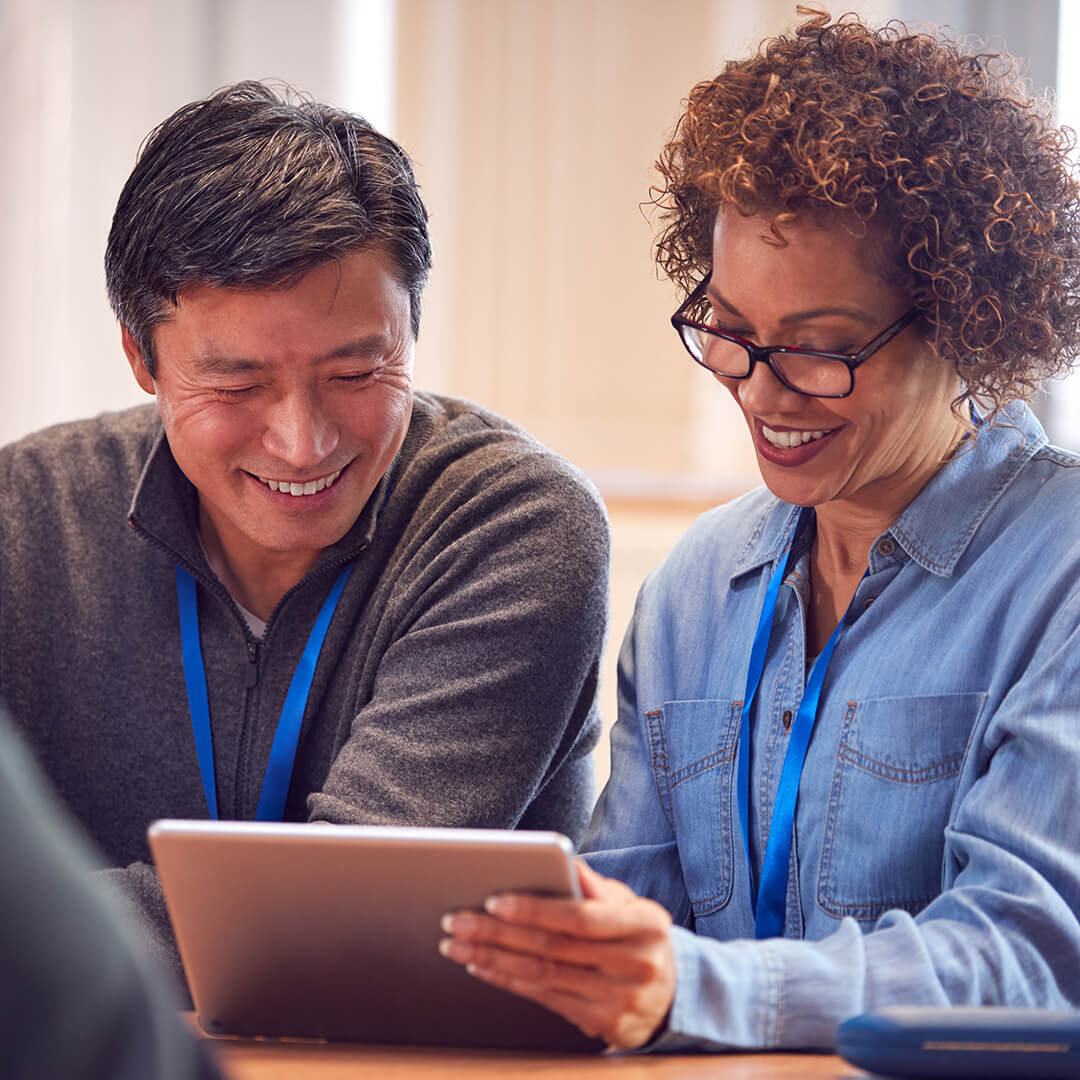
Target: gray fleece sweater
x,y
456,684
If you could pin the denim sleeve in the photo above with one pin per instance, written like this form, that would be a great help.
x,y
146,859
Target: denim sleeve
x,y
631,836
1003,931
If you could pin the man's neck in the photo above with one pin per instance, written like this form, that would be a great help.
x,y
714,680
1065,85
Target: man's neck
x,y
255,577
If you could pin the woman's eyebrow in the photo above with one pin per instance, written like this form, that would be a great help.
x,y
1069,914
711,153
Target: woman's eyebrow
x,y
800,316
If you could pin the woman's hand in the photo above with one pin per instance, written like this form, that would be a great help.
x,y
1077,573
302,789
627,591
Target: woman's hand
x,y
605,963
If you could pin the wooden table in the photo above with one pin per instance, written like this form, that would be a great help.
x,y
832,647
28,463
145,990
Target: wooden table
x,y
241,1060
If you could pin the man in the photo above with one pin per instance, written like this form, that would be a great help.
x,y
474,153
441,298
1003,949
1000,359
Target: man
x,y
396,599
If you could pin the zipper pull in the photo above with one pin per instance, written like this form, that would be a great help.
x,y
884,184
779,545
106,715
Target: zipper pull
x,y
253,664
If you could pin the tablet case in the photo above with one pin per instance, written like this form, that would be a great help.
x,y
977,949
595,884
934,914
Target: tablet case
x,y
331,932
987,1042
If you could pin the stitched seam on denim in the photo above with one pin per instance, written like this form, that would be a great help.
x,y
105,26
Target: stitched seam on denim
x,y
764,777
871,913
774,970
875,910
826,902
695,768
709,904
940,770
659,761
726,840
963,759
787,666
752,542
825,864
765,558
1059,456
793,913
1023,455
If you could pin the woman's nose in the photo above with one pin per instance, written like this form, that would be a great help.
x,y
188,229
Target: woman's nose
x,y
762,392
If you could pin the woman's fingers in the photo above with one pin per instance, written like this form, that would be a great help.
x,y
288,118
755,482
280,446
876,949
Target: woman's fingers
x,y
538,955
610,917
624,1012
605,963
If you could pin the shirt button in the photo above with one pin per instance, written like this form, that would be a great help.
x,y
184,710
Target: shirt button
x,y
867,602
786,719
886,546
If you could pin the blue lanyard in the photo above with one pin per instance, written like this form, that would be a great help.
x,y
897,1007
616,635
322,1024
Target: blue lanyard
x,y
283,751
769,901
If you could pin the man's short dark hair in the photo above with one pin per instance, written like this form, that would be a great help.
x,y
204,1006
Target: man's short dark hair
x,y
251,189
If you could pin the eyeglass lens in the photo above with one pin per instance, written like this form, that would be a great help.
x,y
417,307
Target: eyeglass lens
x,y
809,374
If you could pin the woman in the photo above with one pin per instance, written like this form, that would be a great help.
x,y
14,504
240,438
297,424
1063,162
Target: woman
x,y
848,745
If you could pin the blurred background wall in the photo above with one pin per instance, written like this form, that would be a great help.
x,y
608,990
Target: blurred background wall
x,y
533,124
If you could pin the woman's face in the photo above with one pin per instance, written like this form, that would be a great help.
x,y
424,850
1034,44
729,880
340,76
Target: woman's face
x,y
872,450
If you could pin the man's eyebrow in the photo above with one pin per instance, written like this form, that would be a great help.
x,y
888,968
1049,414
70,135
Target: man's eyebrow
x,y
212,363
363,347
800,316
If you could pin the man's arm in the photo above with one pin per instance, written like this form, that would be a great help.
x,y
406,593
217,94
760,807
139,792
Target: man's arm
x,y
483,708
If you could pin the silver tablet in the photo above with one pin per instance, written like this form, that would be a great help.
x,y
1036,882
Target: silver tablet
x,y
331,931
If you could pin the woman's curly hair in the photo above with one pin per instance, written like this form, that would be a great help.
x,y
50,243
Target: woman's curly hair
x,y
940,153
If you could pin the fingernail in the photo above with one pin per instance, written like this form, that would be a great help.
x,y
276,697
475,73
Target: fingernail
x,y
458,922
498,905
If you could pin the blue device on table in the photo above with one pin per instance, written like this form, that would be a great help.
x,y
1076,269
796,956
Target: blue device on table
x,y
986,1042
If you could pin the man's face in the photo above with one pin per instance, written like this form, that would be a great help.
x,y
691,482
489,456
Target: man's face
x,y
285,406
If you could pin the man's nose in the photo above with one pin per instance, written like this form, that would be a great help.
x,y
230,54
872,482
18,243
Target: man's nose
x,y
299,431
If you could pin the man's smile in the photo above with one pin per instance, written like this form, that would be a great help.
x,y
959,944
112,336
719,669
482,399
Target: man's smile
x,y
296,488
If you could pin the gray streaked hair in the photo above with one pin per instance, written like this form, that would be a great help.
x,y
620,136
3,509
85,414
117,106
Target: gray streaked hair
x,y
252,189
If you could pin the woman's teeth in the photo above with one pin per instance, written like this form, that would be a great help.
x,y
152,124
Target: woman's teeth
x,y
310,488
786,440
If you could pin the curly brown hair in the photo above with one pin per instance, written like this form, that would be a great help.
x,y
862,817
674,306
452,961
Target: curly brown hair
x,y
943,153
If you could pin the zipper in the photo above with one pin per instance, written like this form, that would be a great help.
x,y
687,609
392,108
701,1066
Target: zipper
x,y
253,664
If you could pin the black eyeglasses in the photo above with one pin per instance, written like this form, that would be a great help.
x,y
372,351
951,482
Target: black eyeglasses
x,y
806,371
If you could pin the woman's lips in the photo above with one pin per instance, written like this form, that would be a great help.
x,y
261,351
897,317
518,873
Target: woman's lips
x,y
791,446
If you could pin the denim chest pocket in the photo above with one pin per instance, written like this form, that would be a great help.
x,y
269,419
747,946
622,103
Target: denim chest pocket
x,y
893,786
694,746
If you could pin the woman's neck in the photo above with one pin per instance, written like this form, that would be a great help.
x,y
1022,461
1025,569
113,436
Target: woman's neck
x,y
846,530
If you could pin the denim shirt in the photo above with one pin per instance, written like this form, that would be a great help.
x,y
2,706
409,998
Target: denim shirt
x,y
936,848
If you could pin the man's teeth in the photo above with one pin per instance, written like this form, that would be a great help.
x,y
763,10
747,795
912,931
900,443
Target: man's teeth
x,y
310,488
789,439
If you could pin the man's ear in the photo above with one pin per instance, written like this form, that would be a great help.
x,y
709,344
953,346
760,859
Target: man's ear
x,y
135,359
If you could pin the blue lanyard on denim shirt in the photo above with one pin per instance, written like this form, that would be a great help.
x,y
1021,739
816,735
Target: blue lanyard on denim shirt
x,y
283,751
769,900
